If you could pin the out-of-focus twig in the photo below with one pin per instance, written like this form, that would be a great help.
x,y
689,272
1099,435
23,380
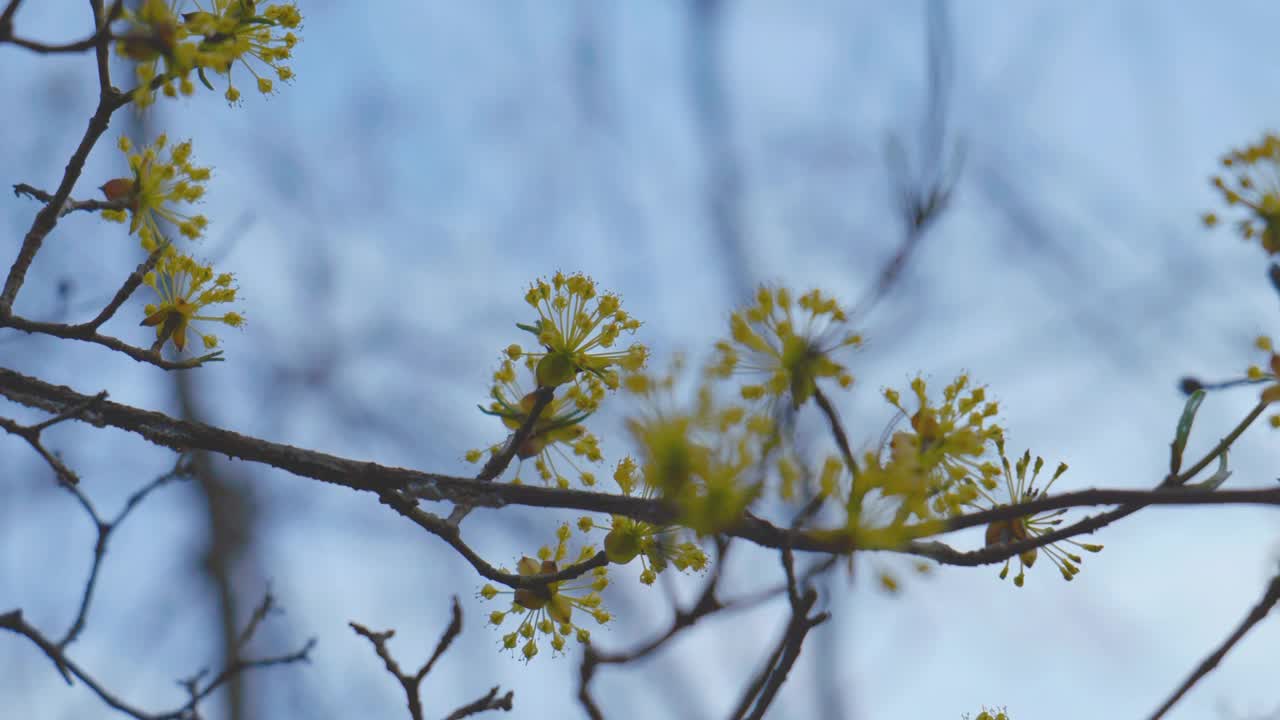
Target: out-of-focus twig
x,y
199,689
31,433
762,690
497,464
181,470
1269,600
411,683
922,196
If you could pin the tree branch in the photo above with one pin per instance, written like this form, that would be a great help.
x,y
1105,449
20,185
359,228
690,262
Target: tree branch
x,y
109,100
380,479
1269,600
412,683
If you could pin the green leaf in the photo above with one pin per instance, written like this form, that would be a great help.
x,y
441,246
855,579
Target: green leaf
x,y
1184,430
1218,477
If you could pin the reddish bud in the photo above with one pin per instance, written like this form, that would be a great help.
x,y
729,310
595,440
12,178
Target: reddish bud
x,y
117,189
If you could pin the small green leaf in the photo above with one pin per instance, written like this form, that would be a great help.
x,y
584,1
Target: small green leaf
x,y
1184,430
1218,477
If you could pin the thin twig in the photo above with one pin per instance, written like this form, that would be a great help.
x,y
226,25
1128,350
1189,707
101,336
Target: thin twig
x,y
266,607
109,100
31,433
412,683
793,640
180,471
366,476
837,430
451,534
764,687
60,469
1255,616
497,464
768,681
101,35
127,288
70,205
131,283
88,333
6,17
490,701
14,622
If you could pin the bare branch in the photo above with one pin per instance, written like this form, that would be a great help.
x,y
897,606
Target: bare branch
x,y
70,205
64,473
100,36
372,477
31,433
233,669
490,701
266,607
181,470
706,605
497,464
1269,600
88,333
14,621
837,430
130,284
109,100
764,688
450,533
922,200
412,683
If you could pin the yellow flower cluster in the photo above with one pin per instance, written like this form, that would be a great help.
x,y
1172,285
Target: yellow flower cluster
x,y
1256,186
577,329
218,37
789,343
549,612
930,469
1019,488
698,457
1270,393
155,190
185,288
657,546
558,426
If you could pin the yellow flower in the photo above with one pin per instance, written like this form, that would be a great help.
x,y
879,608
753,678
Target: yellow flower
x,y
657,546
185,288
155,33
234,31
1020,489
216,37
550,612
577,328
932,467
790,344
1256,186
1270,393
559,425
155,189
698,456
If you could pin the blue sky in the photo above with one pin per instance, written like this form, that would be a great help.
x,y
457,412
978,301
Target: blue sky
x,y
385,211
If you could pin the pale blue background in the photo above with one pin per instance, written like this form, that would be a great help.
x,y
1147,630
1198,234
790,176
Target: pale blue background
x,y
385,211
